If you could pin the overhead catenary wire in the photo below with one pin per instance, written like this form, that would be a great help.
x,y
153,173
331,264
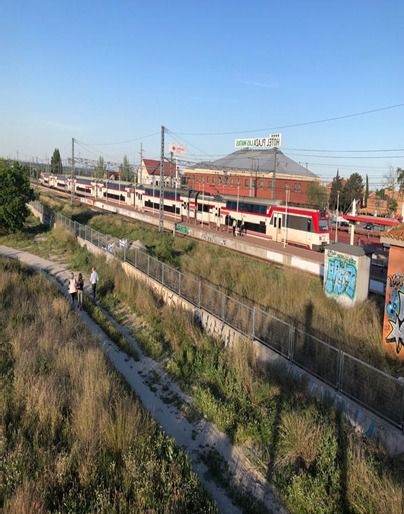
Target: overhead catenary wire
x,y
292,125
124,142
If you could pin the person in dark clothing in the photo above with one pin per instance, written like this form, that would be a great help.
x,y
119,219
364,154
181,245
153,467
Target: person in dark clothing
x,y
80,288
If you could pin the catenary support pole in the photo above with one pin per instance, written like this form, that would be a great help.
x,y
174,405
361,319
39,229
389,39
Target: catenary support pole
x,y
161,214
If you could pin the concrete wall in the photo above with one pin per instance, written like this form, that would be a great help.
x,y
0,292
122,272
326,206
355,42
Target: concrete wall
x,y
360,418
393,325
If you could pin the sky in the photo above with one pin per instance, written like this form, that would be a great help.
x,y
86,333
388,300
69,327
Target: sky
x,y
210,72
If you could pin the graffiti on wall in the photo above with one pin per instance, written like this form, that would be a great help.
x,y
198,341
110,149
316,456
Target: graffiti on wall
x,y
341,276
395,310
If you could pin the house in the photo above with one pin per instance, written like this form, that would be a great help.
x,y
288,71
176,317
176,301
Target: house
x,y
148,173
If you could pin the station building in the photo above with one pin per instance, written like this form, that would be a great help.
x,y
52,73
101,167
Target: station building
x,y
253,173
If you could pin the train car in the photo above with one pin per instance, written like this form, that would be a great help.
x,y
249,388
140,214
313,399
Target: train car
x,y
300,226
261,218
84,186
116,191
150,200
44,179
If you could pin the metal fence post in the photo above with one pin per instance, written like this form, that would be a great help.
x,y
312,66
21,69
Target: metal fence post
x,y
148,265
124,253
162,273
340,371
136,252
253,323
402,406
199,293
291,343
179,283
223,305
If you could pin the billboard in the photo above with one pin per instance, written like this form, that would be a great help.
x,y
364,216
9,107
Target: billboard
x,y
272,141
177,149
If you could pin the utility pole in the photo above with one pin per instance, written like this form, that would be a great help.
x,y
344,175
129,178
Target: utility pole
x,y
72,174
141,164
286,216
161,218
274,174
336,223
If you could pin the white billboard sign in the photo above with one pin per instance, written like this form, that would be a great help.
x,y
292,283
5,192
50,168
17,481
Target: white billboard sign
x,y
272,141
177,149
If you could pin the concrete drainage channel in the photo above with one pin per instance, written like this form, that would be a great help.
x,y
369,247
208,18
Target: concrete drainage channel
x,y
171,408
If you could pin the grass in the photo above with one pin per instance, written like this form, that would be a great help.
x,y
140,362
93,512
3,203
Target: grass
x,y
293,296
317,462
73,438
301,446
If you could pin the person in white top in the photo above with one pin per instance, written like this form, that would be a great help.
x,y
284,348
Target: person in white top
x,y
94,281
72,288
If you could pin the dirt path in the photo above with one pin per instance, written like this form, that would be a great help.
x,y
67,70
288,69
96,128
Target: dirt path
x,y
170,406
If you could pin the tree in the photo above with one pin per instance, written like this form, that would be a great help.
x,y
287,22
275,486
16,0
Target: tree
x,y
100,169
400,179
125,171
56,162
353,190
365,202
336,186
392,206
317,195
15,193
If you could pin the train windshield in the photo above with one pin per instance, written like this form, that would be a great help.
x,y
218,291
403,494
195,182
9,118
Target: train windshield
x,y
323,225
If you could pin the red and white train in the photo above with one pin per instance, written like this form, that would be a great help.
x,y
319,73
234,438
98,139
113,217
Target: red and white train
x,y
265,219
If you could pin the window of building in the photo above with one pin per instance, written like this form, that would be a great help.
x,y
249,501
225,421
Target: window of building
x,y
297,187
261,184
246,182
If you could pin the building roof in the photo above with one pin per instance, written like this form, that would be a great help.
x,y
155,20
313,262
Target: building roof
x,y
394,234
153,167
257,160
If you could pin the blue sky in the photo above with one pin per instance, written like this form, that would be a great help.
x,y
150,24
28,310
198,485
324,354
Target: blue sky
x,y
106,72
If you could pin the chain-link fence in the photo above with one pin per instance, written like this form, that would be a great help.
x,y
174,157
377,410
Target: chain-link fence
x,y
379,392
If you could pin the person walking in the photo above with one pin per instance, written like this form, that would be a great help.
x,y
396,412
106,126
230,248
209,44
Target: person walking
x,y
94,281
234,226
72,289
80,288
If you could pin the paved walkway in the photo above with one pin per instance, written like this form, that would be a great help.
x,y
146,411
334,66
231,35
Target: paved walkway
x,y
167,404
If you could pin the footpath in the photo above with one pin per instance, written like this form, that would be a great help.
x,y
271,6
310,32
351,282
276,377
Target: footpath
x,y
168,405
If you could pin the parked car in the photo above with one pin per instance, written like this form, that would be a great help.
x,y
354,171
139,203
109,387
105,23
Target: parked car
x,y
369,226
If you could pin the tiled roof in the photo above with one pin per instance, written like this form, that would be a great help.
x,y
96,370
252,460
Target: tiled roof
x,y
153,167
396,233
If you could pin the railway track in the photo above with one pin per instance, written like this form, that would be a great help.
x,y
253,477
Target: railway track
x,y
263,249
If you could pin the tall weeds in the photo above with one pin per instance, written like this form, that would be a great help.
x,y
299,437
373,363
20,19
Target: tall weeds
x,y
72,439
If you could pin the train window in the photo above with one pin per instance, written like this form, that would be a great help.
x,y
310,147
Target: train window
x,y
323,225
299,223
